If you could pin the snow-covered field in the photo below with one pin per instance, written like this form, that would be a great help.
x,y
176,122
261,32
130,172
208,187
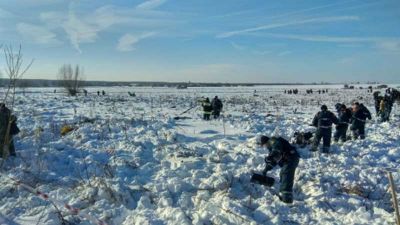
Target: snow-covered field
x,y
129,162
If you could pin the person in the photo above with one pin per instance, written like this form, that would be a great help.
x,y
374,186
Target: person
x,y
359,116
207,109
323,122
344,116
98,93
281,153
377,100
217,105
8,128
85,92
382,110
388,101
103,92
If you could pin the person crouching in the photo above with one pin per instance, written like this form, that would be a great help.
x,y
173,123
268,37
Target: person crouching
x,y
281,153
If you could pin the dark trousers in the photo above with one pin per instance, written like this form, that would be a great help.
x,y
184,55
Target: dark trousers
x,y
358,131
207,116
385,115
11,149
216,114
341,132
286,176
377,109
326,135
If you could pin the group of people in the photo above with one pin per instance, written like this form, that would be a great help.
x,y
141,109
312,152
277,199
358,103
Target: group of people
x,y
284,154
102,93
384,104
281,151
211,108
323,91
308,91
355,117
292,91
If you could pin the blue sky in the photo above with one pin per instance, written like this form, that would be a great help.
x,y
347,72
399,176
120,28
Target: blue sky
x,y
208,40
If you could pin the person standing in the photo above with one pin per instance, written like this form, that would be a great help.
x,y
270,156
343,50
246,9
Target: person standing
x,y
207,109
8,128
359,116
323,121
344,116
217,105
377,101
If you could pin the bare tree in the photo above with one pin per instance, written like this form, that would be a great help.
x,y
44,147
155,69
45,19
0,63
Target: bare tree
x,y
14,69
71,78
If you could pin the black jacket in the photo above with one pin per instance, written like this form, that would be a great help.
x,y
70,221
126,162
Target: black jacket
x,y
5,116
207,106
280,151
344,118
324,119
360,116
216,104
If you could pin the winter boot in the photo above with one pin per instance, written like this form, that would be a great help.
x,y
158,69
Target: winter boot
x,y
286,197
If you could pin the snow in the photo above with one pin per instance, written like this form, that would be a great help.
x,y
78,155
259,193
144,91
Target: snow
x,y
129,162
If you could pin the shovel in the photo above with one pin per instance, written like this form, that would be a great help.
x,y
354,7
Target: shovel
x,y
263,180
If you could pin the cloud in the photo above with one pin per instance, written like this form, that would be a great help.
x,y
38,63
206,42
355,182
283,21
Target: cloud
x,y
5,14
389,45
291,23
37,34
237,46
79,31
150,4
311,9
126,43
318,38
262,52
347,60
284,53
83,27
384,43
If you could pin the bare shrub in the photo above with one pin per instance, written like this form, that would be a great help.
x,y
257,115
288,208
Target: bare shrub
x,y
71,78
